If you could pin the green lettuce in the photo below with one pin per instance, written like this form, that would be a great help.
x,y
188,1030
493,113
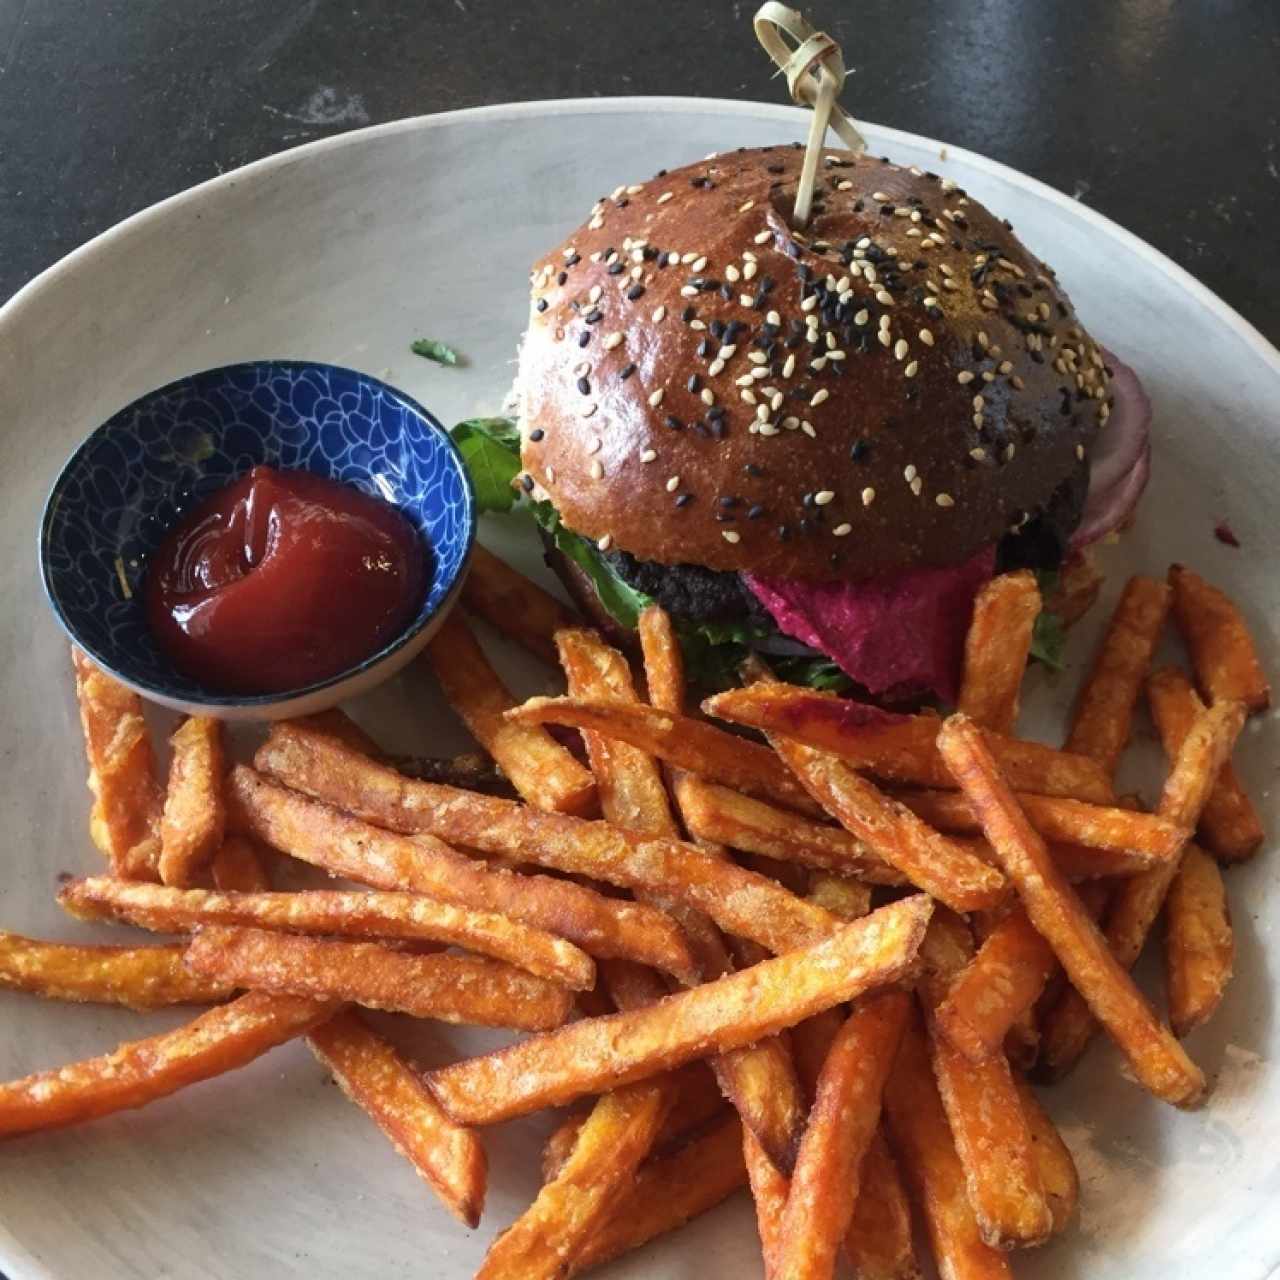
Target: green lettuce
x,y
1048,636
491,449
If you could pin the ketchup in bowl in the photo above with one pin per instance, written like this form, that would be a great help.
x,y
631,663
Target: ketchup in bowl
x,y
281,580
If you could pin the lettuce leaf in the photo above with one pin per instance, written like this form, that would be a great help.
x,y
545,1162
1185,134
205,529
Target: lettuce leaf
x,y
490,447
1048,636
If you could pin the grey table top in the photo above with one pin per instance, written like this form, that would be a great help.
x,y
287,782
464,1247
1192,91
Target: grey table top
x,y
1163,116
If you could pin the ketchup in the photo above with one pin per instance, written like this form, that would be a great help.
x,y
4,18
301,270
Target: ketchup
x,y
283,579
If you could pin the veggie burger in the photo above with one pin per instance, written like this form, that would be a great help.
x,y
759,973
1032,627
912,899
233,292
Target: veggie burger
x,y
817,444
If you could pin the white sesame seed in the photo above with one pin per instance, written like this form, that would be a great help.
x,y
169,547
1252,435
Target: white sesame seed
x,y
886,338
766,429
945,500
909,472
983,341
988,376
594,293
748,256
868,496
946,270
759,373
708,396
687,258
659,314
597,471
744,381
613,340
655,397
596,223
665,196
809,303
819,396
964,377
688,291
842,530
917,486
789,365
791,422
807,427
732,273
900,348
748,395
926,337
697,324
606,542
931,302
880,196
864,243
979,403
588,409
746,208
902,212
551,475
979,454
1080,453
648,455
913,367
885,322
745,299
837,354
700,264
761,236
846,185
949,283
818,364
749,270
757,357
1006,366
1008,453
673,483
593,445
762,413
978,421
773,318
730,536
636,272
728,351
715,367
884,297
823,496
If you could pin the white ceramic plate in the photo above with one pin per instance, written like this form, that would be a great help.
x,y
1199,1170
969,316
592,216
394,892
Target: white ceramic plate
x,y
345,250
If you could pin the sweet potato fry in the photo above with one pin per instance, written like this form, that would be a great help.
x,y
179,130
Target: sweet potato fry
x,y
693,745
336,913
738,1009
376,1078
238,867
841,895
345,846
739,901
143,1070
1057,1169
663,659
1142,837
992,1137
846,1111
668,1192
540,769
1079,581
1155,1056
450,988
1229,825
194,816
1217,637
1133,910
769,1189
901,748
713,812
125,819
880,1243
517,607
996,649
921,1139
1103,715
542,1242
930,861
1199,944
136,977
1003,981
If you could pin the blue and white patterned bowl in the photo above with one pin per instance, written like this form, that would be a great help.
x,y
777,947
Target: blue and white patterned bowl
x,y
129,482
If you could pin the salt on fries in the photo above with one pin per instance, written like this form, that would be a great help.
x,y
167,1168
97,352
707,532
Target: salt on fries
x,y
845,1112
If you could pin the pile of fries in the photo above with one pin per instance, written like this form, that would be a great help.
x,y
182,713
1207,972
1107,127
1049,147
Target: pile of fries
x,y
821,961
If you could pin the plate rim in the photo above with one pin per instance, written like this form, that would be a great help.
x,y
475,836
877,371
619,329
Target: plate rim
x,y
1245,330
16,1259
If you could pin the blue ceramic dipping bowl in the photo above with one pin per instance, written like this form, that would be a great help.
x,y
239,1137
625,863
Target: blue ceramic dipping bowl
x,y
138,473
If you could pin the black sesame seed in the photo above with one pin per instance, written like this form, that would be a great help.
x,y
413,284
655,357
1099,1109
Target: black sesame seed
x,y
573,259
723,517
859,205
705,348
730,500
616,268
687,314
649,253
802,526
859,450
594,316
807,499
627,371
584,386
716,329
784,533
753,470
526,482
683,499
694,383
562,277
701,428
673,422
584,337
726,293
636,291
541,304
755,512
536,434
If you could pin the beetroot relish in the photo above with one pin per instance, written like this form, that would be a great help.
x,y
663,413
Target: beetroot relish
x,y
283,579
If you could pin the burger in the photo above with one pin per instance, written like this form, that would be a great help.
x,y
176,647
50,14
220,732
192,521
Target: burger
x,y
816,442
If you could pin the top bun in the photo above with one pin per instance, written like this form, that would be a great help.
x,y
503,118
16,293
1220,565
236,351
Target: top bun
x,y
896,386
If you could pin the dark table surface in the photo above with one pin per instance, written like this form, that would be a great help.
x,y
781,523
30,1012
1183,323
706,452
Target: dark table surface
x,y
1163,114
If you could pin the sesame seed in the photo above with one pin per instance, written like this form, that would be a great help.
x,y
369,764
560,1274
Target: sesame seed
x,y
730,536
597,471
861,317
868,496
648,455
979,454
913,367
807,428
613,340
594,294
697,324
745,299
767,429
900,349
655,397
635,189
659,314
708,396
909,473
978,421
605,543
761,236
700,264
749,270
979,403
688,291
789,365
715,367
931,302
885,337
945,500
593,445
748,395
762,413
879,197
588,409
665,196
884,297
746,208
916,486
748,256
1006,366
1008,453
1080,452
773,318
757,357
823,497
809,303
964,377
842,530
926,337
536,434
673,483
819,396
732,273
885,322
551,475
949,283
